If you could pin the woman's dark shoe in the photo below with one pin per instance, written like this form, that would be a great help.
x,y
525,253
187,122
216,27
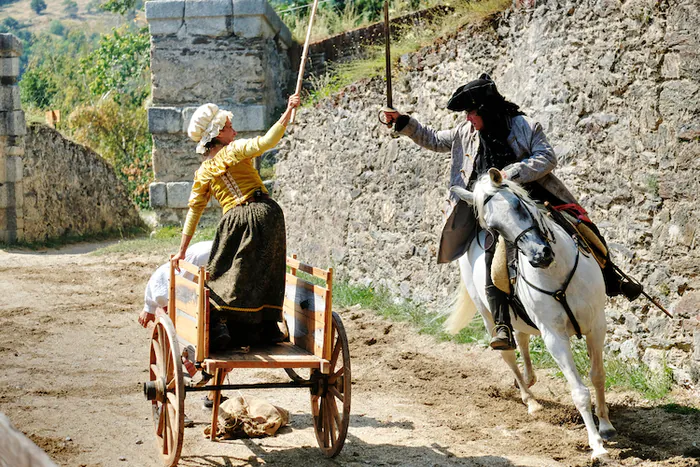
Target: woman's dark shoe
x,y
219,336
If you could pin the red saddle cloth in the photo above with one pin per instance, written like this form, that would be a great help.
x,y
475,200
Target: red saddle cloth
x,y
575,210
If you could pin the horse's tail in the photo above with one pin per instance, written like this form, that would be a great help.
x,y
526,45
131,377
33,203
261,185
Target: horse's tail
x,y
462,312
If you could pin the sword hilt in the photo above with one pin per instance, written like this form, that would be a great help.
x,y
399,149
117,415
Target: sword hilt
x,y
382,120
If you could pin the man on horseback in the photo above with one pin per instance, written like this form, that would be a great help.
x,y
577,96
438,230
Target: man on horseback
x,y
496,134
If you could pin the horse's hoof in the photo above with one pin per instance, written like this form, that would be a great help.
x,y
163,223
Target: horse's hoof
x,y
533,407
600,455
608,434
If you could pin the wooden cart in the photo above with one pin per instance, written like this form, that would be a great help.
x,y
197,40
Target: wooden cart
x,y
317,342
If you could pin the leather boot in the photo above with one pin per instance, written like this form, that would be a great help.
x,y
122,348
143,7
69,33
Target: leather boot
x,y
615,284
503,332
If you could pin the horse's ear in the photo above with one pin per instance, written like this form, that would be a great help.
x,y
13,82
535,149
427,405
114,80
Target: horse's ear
x,y
496,177
463,194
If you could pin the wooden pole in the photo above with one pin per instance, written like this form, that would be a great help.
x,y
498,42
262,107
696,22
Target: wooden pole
x,y
304,55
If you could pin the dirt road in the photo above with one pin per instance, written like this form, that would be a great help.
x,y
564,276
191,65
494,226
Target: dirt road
x,y
73,360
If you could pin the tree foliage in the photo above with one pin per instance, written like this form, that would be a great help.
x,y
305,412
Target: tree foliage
x,y
120,65
101,85
38,6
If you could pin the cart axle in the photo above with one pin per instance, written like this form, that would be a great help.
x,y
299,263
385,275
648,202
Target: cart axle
x,y
231,387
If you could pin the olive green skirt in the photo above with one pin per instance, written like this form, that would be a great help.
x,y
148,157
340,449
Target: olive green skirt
x,y
248,263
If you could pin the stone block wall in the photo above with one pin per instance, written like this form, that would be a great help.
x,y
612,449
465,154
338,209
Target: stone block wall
x,y
231,53
12,131
616,86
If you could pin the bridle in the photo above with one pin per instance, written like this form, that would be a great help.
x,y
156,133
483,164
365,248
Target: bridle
x,y
547,234
560,294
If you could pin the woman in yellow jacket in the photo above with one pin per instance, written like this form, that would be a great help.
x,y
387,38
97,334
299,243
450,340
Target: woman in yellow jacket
x,y
247,262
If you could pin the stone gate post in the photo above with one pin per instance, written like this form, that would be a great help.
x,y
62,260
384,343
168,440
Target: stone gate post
x,y
233,53
12,131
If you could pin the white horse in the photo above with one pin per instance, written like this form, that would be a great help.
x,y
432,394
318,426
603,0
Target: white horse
x,y
548,257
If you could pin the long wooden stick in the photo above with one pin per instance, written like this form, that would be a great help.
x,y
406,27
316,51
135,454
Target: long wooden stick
x,y
304,55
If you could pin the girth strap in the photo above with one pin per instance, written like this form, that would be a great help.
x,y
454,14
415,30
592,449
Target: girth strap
x,y
560,295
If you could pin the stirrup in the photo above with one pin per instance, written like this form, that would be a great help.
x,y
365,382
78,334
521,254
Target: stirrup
x,y
499,343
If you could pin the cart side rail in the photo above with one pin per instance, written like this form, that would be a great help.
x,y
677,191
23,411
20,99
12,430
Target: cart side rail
x,y
308,302
188,306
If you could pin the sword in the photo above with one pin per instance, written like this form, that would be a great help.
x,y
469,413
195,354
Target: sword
x,y
389,98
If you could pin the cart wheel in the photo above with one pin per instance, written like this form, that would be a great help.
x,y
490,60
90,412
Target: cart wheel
x,y
166,390
330,399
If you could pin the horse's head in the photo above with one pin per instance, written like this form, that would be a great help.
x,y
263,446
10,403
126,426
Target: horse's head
x,y
504,206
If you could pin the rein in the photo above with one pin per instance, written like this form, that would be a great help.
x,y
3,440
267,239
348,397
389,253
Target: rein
x,y
560,294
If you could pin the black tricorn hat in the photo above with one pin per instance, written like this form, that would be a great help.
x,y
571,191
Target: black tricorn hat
x,y
475,94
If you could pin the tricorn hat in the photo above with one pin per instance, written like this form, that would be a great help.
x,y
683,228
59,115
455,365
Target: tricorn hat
x,y
475,94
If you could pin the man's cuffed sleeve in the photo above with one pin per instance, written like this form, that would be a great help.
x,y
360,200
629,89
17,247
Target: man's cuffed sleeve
x,y
541,161
439,141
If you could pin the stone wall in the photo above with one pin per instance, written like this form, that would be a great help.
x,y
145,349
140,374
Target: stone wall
x,y
70,191
51,187
616,86
12,131
233,53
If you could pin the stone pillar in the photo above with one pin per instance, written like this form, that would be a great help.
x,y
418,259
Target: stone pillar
x,y
12,131
233,53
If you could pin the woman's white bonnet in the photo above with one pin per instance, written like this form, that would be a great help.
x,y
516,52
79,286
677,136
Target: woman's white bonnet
x,y
206,123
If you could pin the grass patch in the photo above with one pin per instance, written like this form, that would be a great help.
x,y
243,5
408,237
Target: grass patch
x,y
653,385
164,240
411,39
380,301
620,374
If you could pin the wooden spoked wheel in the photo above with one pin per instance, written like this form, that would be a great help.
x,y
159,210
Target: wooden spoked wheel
x,y
168,390
330,398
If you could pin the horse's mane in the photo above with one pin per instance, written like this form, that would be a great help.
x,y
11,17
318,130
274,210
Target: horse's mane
x,y
484,188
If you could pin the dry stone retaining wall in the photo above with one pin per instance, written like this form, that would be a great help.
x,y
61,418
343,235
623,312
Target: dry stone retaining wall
x,y
70,191
616,86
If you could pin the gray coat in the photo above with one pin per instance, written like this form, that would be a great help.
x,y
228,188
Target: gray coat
x,y
536,160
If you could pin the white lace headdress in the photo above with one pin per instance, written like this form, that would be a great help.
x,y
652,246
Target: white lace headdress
x,y
206,123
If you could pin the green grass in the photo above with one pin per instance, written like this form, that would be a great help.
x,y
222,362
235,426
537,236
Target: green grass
x,y
619,374
653,385
380,301
371,63
165,240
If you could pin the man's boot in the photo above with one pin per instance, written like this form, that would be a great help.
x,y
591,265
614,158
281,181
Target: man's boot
x,y
503,332
615,284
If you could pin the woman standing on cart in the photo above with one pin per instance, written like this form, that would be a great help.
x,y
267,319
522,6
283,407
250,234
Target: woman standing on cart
x,y
248,257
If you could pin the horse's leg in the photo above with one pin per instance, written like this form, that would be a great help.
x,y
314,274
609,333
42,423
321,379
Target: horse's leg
x,y
524,346
560,348
595,342
528,398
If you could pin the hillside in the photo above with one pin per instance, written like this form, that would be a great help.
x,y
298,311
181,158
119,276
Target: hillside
x,y
89,17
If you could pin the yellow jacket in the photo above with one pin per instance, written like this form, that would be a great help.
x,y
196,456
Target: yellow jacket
x,y
230,175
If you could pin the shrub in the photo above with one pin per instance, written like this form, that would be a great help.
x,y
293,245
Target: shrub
x,y
57,28
38,6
